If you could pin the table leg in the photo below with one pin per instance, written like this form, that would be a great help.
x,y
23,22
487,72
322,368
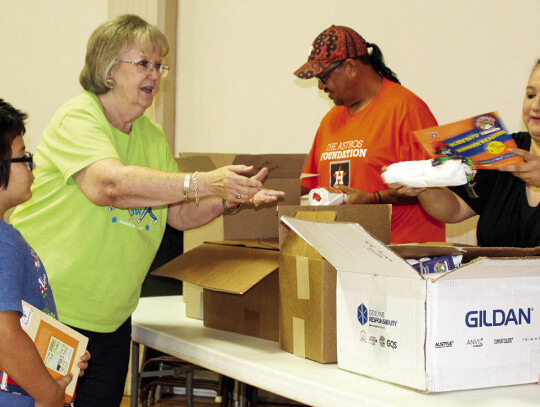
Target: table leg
x,y
189,388
242,399
134,373
239,394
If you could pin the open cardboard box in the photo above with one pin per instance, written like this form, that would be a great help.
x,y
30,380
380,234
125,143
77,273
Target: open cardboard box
x,y
475,326
239,281
307,282
284,172
250,223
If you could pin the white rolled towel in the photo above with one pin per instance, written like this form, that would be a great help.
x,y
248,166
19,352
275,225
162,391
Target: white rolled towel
x,y
326,196
421,174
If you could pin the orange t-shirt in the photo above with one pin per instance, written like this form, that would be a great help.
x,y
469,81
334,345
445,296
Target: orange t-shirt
x,y
352,149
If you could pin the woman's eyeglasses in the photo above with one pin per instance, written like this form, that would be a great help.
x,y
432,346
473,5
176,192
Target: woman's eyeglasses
x,y
146,67
27,158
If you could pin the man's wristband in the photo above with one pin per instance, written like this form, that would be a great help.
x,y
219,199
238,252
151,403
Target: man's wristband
x,y
377,198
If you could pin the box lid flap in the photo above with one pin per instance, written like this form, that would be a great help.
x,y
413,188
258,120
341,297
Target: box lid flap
x,y
415,251
195,163
279,165
265,244
204,161
295,245
349,247
373,218
219,267
483,267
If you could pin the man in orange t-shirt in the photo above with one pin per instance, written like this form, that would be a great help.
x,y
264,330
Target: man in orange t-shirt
x,y
370,127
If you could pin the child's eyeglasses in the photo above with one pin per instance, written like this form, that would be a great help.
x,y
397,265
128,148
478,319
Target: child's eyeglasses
x,y
27,158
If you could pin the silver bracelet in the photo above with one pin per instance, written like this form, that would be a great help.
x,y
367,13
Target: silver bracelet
x,y
187,182
195,187
230,211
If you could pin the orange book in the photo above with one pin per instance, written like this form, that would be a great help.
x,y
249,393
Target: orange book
x,y
59,346
483,139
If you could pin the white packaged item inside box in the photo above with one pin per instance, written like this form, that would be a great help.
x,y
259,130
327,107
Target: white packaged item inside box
x,y
475,326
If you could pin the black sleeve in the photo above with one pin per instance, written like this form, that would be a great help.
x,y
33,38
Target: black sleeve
x,y
478,193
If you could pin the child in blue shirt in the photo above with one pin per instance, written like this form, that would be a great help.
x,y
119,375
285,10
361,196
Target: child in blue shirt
x,y
22,277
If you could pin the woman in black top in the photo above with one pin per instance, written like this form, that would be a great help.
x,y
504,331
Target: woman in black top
x,y
508,198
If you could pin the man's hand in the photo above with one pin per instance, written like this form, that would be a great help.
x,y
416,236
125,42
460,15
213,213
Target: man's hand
x,y
355,196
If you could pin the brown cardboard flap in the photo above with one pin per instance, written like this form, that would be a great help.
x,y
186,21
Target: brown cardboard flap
x,y
265,244
295,245
203,161
374,218
195,163
279,165
250,223
417,251
226,268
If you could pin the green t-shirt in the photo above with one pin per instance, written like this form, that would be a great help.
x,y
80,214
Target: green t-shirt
x,y
96,256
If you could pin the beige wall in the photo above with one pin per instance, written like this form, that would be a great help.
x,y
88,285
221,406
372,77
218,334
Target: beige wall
x,y
236,91
235,58
235,88
42,47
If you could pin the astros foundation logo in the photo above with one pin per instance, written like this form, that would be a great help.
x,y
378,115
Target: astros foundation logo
x,y
339,173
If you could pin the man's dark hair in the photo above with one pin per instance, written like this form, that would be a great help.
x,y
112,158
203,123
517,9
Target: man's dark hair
x,y
11,126
376,60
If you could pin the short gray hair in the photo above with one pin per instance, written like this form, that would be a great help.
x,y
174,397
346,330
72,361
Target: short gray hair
x,y
108,42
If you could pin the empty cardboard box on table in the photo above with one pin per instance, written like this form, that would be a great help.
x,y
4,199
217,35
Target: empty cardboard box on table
x,y
239,281
250,223
475,326
308,282
284,172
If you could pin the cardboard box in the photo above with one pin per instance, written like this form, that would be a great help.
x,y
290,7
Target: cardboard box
x,y
239,281
250,223
475,326
308,282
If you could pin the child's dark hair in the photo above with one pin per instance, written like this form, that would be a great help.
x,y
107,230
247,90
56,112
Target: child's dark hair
x,y
11,126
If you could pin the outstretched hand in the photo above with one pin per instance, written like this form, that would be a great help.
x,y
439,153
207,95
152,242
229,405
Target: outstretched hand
x,y
229,183
529,171
261,196
266,196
